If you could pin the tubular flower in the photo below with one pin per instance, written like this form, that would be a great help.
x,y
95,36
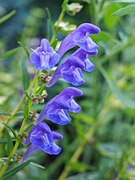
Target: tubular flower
x,y
80,37
56,110
71,69
42,138
44,57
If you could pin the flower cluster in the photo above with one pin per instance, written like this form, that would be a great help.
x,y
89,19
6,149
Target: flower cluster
x,y
56,110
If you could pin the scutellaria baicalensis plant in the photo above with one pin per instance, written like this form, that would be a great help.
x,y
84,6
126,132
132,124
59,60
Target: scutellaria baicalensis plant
x,y
56,110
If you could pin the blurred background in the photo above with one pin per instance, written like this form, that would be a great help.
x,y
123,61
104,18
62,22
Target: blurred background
x,y
99,143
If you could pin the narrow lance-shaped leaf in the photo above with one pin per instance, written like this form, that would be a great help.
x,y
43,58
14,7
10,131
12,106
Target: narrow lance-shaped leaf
x,y
124,1
103,36
40,89
9,142
27,108
37,165
126,10
50,26
16,169
25,75
7,16
9,53
5,141
25,49
11,129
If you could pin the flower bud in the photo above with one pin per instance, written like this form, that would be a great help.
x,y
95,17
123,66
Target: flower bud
x,y
74,8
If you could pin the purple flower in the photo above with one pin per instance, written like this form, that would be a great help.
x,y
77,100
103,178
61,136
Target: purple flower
x,y
44,57
129,167
56,110
80,37
42,138
71,69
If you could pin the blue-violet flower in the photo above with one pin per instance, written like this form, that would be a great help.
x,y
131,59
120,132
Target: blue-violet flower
x,y
130,167
80,37
56,110
70,69
44,57
42,138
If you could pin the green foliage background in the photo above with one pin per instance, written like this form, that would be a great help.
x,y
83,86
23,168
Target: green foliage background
x,y
99,143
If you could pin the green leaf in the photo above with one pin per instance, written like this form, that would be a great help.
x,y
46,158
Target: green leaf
x,y
25,75
9,142
9,53
37,165
6,17
5,142
109,150
27,109
40,89
25,49
13,132
87,1
102,36
124,1
50,25
16,169
126,10
8,114
3,159
28,127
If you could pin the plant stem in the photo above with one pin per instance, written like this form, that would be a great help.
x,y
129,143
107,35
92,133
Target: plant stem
x,y
34,82
58,21
9,158
19,105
